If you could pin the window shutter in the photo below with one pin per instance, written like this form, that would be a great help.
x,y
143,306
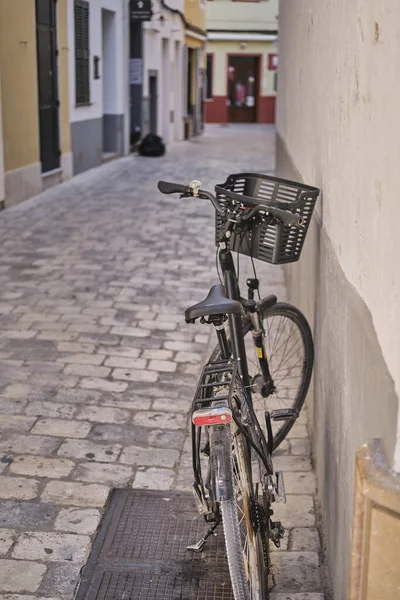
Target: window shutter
x,y
82,55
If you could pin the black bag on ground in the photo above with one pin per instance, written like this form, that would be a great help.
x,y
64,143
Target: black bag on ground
x,y
152,145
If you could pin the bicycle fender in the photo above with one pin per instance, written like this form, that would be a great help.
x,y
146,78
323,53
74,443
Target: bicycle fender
x,y
221,479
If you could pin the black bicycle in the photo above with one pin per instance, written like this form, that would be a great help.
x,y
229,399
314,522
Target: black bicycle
x,y
251,390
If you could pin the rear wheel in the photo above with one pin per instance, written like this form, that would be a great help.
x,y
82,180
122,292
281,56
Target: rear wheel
x,y
246,540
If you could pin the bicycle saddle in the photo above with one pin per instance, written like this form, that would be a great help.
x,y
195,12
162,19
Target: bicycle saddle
x,y
216,303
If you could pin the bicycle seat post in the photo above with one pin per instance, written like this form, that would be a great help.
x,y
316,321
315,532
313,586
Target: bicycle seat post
x,y
218,322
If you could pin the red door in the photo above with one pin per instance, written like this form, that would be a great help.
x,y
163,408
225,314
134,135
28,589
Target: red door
x,y
243,86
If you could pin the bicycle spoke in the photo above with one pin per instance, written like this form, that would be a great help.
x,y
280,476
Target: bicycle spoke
x,y
291,352
276,335
278,351
277,383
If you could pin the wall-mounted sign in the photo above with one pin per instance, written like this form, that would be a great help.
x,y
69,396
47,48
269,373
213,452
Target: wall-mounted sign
x,y
140,10
272,62
135,71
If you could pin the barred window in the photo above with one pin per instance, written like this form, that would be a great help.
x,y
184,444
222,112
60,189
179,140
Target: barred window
x,y
82,77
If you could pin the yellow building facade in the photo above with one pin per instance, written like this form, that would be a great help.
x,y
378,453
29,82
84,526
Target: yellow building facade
x,y
242,61
34,97
195,42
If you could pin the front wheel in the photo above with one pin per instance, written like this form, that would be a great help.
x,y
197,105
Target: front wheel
x,y
289,348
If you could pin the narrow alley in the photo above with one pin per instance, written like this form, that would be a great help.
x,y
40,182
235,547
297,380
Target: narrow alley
x,y
98,367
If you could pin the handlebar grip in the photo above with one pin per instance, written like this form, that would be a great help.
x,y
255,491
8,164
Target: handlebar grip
x,y
287,217
166,187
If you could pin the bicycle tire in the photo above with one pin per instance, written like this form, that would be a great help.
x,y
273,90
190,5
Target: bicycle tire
x,y
244,547
294,315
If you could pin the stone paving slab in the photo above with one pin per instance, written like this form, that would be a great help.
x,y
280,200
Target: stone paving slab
x,y
98,367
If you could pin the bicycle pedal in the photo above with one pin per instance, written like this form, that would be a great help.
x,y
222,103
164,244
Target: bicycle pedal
x,y
284,414
280,493
276,532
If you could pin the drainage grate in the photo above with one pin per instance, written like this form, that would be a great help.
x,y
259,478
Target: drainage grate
x,y
140,552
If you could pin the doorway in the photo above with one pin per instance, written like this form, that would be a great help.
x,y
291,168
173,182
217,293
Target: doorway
x,y
165,75
153,103
243,86
46,52
111,127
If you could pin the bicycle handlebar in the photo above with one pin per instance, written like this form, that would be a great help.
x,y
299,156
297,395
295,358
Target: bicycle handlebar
x,y
286,217
166,187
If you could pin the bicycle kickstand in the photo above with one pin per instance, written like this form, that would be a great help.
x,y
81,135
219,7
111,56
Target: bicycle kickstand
x,y
198,547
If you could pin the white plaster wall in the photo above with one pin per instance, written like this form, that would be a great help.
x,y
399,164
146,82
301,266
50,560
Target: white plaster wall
x,y
2,190
170,78
338,113
97,106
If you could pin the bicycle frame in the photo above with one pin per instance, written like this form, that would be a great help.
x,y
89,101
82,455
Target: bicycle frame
x,y
235,321
237,351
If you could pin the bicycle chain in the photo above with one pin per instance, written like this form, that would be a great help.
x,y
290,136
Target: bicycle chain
x,y
259,521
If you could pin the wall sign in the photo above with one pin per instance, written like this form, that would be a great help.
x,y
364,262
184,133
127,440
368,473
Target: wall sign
x,y
135,71
140,10
272,62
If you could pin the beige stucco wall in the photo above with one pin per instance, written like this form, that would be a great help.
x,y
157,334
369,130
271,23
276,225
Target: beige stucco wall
x,y
20,111
19,83
338,125
65,129
1,154
221,49
343,98
243,16
194,11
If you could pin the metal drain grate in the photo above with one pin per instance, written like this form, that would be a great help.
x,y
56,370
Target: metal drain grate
x,y
140,552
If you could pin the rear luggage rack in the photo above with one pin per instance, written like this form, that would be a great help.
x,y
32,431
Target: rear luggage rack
x,y
214,377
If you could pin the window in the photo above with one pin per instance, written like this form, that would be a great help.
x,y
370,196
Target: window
x,y
209,76
82,89
275,81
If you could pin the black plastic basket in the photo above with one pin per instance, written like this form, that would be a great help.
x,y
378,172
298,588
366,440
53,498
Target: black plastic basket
x,y
267,240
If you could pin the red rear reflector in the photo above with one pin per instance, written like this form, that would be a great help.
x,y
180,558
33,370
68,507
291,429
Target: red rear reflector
x,y
212,416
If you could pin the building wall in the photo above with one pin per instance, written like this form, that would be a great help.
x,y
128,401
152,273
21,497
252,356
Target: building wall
x,y
19,84
195,41
2,189
216,109
89,124
194,82
195,12
63,89
20,113
235,24
243,16
337,126
163,45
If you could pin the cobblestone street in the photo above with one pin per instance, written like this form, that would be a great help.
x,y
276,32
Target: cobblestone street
x,y
98,367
